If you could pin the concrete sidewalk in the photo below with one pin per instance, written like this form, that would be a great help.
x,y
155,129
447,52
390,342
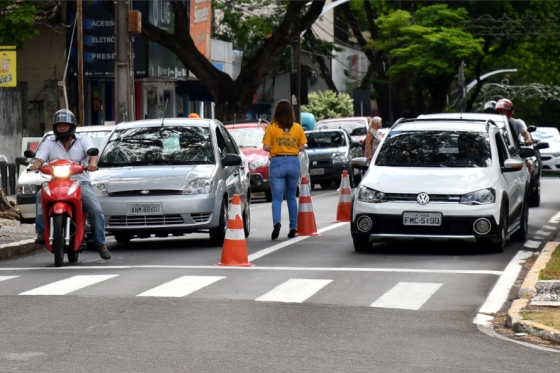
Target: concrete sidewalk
x,y
15,238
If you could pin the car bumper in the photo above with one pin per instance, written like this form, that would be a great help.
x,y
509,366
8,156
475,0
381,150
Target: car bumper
x,y
551,164
258,183
457,223
331,172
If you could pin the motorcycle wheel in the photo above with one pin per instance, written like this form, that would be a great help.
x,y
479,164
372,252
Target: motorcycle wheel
x,y
73,256
58,240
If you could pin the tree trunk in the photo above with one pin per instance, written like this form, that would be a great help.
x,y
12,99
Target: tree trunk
x,y
7,208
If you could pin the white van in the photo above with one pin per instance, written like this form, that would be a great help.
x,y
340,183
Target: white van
x,y
29,182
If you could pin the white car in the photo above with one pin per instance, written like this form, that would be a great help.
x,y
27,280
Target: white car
x,y
551,156
432,180
29,182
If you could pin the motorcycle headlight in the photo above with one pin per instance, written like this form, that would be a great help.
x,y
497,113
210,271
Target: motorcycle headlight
x,y
100,190
198,186
261,162
27,189
480,197
61,172
366,194
339,157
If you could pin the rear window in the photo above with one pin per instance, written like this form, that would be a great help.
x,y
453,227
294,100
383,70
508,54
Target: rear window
x,y
158,145
435,149
247,137
353,127
325,140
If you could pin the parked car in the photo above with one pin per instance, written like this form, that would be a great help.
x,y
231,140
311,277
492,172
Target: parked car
x,y
551,155
355,126
29,182
248,135
512,142
175,177
535,167
330,152
442,180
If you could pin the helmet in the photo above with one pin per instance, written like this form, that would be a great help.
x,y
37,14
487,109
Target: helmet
x,y
489,106
504,104
194,115
64,116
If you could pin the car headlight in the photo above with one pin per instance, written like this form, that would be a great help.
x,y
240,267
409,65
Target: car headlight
x,y
61,172
339,157
198,186
480,197
366,194
100,189
261,162
27,189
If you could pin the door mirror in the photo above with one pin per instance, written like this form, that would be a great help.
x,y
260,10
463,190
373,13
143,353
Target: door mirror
x,y
21,160
359,163
232,160
92,152
29,154
542,145
511,165
526,152
531,129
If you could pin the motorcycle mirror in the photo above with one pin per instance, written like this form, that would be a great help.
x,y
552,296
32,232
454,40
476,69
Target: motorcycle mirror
x,y
21,160
531,129
29,154
93,152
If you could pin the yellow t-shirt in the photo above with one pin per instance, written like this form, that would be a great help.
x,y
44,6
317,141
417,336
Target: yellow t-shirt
x,y
282,142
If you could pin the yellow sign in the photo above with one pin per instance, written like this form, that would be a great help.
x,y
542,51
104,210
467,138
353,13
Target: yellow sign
x,y
8,77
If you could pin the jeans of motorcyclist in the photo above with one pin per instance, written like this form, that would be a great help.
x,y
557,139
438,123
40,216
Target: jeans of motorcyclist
x,y
284,176
90,205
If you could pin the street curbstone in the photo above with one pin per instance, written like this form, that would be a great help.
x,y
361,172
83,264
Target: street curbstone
x,y
19,248
529,287
519,325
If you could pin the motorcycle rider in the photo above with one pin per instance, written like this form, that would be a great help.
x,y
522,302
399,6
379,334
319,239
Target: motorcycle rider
x,y
66,144
489,107
505,107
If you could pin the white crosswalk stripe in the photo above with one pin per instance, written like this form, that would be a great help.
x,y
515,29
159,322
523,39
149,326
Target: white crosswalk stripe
x,y
407,295
181,286
294,290
4,278
68,285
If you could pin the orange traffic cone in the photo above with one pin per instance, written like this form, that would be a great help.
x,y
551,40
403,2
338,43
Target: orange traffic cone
x,y
234,252
306,217
344,199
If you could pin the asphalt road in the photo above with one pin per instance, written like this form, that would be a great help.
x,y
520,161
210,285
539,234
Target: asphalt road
x,y
308,305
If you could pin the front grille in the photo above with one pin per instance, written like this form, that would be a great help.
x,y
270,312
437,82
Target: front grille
x,y
145,220
446,198
154,192
446,228
200,218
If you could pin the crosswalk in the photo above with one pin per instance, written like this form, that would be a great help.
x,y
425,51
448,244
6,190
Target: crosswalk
x,y
403,295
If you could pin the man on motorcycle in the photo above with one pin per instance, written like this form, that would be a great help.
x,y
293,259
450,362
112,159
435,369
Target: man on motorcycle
x,y
66,144
505,107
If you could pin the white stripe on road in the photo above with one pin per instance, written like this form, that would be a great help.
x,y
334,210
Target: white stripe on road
x,y
181,286
549,227
68,285
499,293
271,249
532,244
555,218
542,233
295,290
407,295
4,278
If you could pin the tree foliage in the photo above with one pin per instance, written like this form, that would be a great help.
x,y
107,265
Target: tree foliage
x,y
327,104
16,22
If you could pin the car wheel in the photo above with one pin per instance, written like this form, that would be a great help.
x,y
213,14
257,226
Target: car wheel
x,y
521,233
500,245
535,198
362,244
123,238
268,195
247,218
218,234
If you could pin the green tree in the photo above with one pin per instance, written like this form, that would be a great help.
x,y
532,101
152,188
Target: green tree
x,y
328,104
16,22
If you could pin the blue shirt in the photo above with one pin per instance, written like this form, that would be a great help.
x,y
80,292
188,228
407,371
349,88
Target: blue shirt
x,y
52,149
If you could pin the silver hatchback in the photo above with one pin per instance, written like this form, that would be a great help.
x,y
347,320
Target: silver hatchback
x,y
173,177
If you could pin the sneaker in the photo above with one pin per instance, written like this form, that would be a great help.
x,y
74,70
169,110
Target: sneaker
x,y
104,253
276,231
40,240
292,233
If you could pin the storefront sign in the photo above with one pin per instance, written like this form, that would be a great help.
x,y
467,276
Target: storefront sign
x,y
8,77
200,25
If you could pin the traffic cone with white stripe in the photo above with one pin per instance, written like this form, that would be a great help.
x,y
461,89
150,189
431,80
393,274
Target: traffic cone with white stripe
x,y
344,199
306,217
234,252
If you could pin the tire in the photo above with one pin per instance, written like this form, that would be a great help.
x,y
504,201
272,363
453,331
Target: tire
x,y
218,234
58,239
522,232
499,246
362,244
535,198
247,218
73,256
123,238
268,195
358,178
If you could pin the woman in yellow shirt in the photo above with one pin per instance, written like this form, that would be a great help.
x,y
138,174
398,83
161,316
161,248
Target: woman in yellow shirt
x,y
284,139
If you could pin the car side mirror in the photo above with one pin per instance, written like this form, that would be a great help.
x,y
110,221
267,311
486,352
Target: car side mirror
x,y
531,129
93,152
29,154
360,163
511,165
542,145
232,160
21,160
526,152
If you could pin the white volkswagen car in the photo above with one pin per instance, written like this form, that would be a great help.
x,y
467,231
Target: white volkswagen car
x,y
551,156
431,180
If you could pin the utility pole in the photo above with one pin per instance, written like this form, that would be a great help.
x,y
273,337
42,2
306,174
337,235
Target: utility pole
x,y
81,93
296,85
124,98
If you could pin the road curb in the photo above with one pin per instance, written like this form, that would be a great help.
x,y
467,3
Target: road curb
x,y
18,248
518,324
529,287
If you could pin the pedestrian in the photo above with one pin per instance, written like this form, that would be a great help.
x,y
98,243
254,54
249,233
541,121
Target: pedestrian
x,y
66,144
373,138
284,139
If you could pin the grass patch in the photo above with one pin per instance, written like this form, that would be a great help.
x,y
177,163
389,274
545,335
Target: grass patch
x,y
552,269
548,317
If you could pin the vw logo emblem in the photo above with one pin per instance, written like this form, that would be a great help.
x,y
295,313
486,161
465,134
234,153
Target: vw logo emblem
x,y
314,163
148,192
423,198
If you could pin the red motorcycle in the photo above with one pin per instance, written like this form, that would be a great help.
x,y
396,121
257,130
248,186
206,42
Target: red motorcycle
x,y
64,217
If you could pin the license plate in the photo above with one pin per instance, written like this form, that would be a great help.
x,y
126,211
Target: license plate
x,y
317,171
144,208
422,218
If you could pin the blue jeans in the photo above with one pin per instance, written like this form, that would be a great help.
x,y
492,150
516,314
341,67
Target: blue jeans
x,y
90,205
284,176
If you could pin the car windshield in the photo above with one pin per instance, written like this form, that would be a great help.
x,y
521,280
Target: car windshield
x,y
435,149
158,145
247,137
353,127
546,134
329,139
